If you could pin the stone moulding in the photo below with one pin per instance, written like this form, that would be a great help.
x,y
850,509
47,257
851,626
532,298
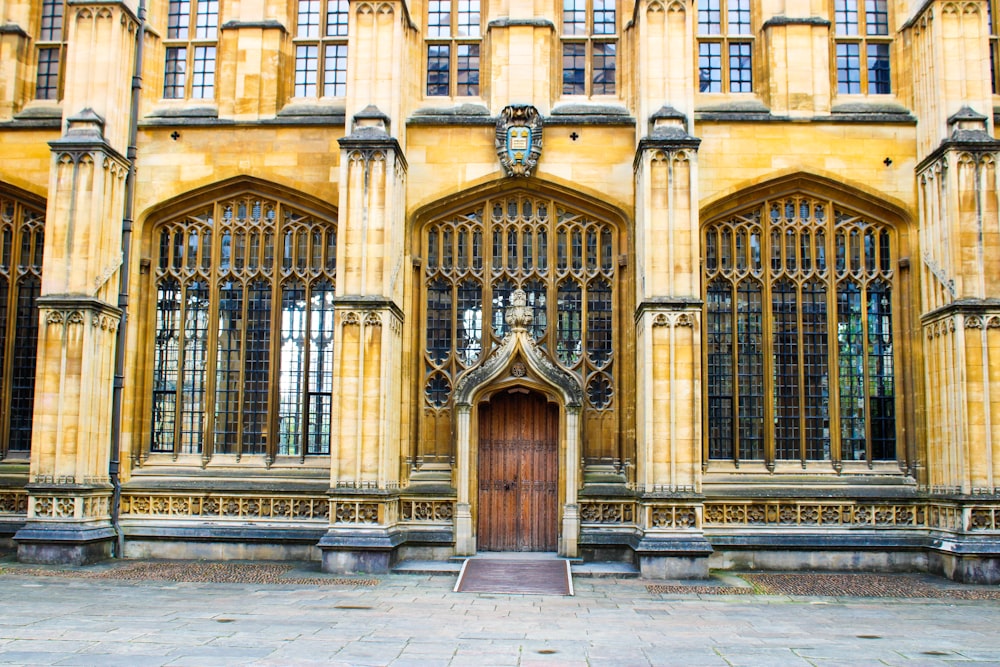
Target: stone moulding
x,y
14,503
426,510
823,515
235,506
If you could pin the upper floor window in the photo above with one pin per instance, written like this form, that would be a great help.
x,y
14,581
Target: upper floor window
x,y
994,45
454,40
22,237
589,47
192,34
50,48
725,47
321,48
862,38
800,335
242,353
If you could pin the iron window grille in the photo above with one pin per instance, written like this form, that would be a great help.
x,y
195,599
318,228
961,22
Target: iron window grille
x,y
799,335
191,49
243,331
725,46
862,47
589,47
454,43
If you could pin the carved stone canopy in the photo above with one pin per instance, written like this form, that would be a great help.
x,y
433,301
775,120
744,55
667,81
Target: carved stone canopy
x,y
517,353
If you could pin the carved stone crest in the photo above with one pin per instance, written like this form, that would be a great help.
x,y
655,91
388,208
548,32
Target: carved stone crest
x,y
518,315
519,139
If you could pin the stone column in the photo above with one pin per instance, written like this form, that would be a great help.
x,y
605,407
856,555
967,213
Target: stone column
x,y
69,489
668,349
958,189
365,456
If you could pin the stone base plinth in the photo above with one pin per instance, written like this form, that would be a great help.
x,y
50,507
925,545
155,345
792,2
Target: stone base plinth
x,y
673,557
971,561
351,552
63,544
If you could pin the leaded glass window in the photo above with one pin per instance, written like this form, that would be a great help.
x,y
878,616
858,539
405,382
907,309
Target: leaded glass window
x,y
725,47
321,48
566,261
800,357
191,43
22,238
589,47
454,40
243,332
862,46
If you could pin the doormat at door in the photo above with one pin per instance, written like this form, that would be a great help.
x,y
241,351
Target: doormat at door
x,y
520,577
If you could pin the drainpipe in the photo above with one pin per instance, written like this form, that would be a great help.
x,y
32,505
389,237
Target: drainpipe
x,y
114,463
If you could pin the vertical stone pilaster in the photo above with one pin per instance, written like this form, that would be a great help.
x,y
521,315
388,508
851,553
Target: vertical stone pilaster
x,y
946,58
383,44
798,65
668,342
663,36
69,487
15,49
959,196
250,52
366,421
520,50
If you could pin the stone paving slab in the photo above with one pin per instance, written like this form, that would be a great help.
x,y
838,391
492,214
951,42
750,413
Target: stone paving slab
x,y
54,617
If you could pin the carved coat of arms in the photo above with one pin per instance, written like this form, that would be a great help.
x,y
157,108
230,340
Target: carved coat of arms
x,y
519,139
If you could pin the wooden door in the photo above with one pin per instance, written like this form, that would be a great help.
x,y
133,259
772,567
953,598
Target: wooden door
x,y
518,473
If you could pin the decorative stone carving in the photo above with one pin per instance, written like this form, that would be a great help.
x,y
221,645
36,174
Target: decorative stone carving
x,y
519,139
518,315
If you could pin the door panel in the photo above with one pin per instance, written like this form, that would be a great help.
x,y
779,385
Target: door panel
x,y
518,473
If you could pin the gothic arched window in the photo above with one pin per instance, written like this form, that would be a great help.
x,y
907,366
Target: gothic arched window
x,y
799,331
22,238
566,261
243,349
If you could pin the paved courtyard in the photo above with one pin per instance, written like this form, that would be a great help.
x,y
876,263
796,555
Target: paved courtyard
x,y
146,614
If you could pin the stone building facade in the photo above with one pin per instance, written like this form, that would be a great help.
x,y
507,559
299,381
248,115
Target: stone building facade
x,y
685,284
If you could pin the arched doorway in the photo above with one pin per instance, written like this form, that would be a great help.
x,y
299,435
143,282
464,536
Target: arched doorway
x,y
518,472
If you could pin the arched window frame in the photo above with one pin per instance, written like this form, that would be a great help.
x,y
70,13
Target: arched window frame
x,y
605,379
280,398
766,269
22,240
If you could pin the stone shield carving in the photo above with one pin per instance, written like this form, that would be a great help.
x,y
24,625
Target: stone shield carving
x,y
519,139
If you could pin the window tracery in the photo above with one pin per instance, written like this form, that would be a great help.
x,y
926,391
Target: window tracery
x,y
564,260
22,238
243,344
799,335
